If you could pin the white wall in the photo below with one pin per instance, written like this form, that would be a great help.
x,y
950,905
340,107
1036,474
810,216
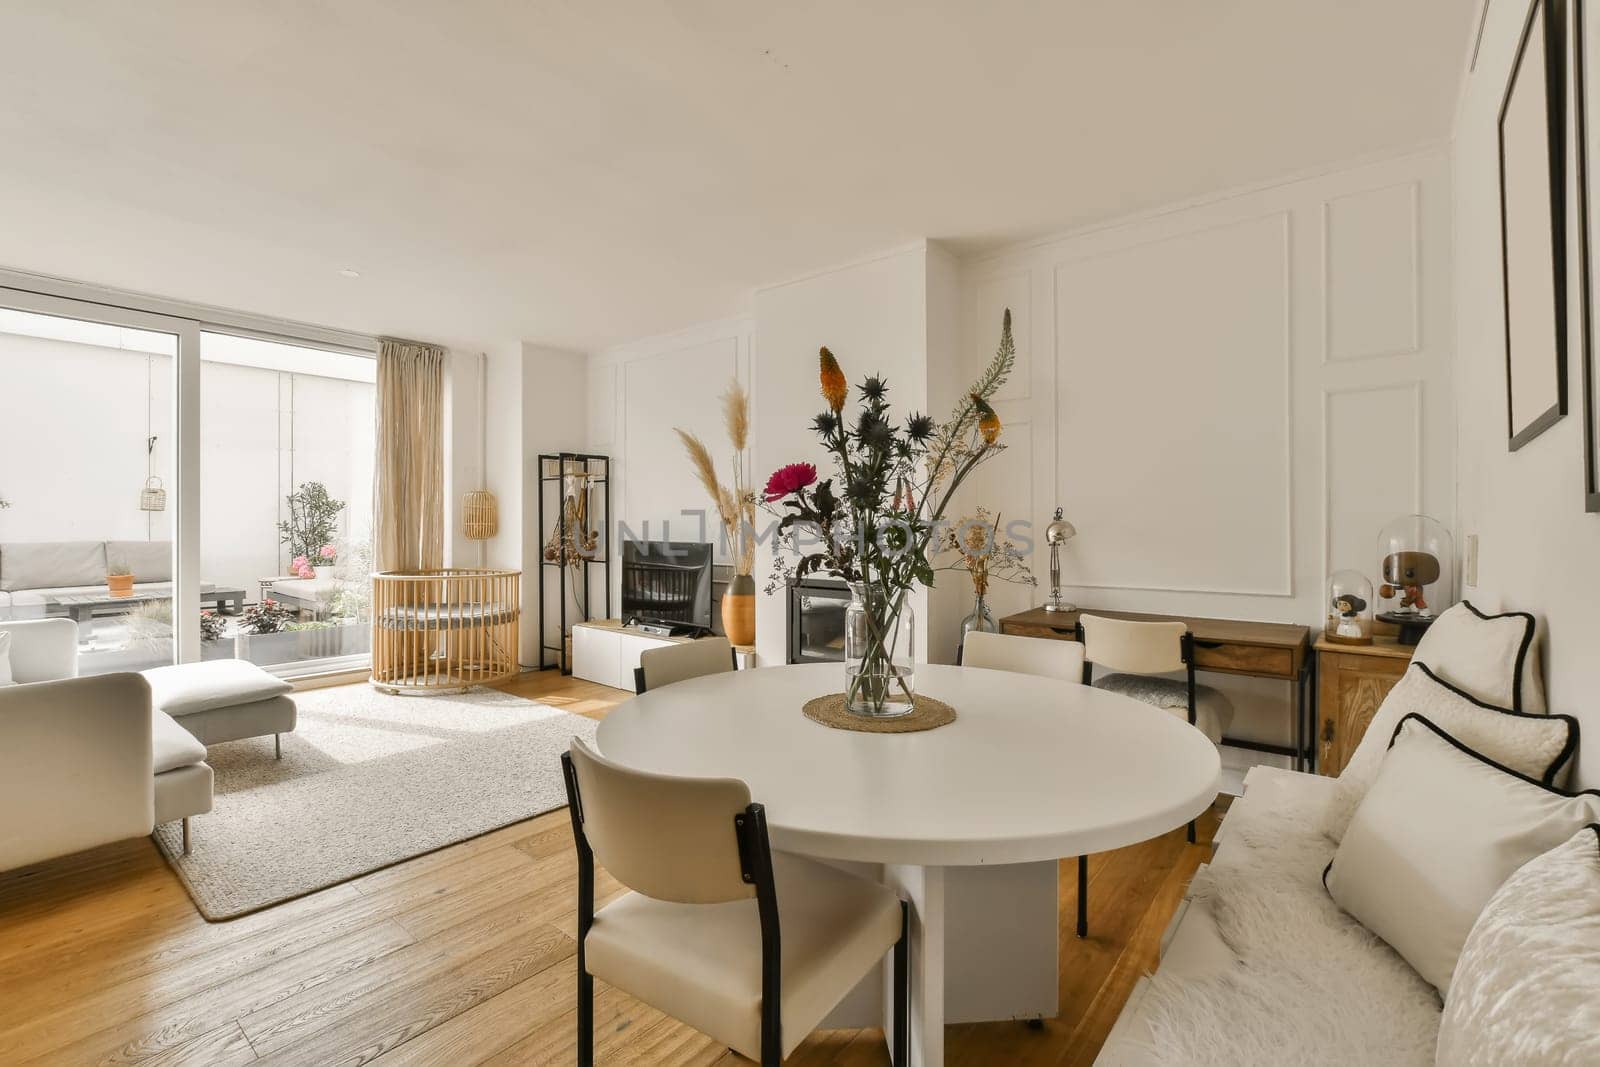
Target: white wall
x,y
638,393
1229,397
555,406
535,402
74,434
1538,549
873,316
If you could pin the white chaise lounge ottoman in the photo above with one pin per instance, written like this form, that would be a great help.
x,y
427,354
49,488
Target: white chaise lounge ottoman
x,y
183,777
224,700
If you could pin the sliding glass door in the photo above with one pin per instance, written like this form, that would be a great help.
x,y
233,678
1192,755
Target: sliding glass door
x,y
183,492
91,483
286,437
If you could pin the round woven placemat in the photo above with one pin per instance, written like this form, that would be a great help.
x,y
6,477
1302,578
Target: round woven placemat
x,y
926,714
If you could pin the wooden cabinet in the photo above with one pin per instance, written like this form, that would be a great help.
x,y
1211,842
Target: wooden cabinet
x,y
1352,681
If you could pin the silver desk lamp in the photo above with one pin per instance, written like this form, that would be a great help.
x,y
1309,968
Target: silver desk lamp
x,y
1058,533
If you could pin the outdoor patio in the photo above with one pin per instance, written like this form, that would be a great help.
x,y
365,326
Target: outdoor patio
x,y
285,480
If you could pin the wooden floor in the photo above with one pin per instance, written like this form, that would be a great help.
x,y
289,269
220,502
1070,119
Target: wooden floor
x,y
459,957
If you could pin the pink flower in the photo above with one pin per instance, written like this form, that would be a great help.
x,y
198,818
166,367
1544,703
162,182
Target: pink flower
x,y
297,563
789,479
305,571
328,552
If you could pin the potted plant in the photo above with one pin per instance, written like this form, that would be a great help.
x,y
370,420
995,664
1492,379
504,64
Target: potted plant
x,y
894,482
313,523
119,579
327,556
212,626
736,508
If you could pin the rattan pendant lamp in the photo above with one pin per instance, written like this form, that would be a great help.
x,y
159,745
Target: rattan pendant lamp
x,y
480,511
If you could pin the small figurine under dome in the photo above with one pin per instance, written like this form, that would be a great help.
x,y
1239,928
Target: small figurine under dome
x,y
1418,564
1349,609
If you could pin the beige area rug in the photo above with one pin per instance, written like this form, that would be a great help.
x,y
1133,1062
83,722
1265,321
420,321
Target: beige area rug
x,y
367,780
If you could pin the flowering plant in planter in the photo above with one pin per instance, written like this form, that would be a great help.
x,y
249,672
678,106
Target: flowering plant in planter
x,y
212,626
874,520
267,617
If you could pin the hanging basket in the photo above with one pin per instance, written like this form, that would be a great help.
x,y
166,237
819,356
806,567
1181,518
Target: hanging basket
x,y
480,515
152,497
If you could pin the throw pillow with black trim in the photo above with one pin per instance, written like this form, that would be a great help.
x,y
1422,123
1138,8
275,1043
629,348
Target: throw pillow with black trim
x,y
1437,835
1540,746
1526,989
1493,657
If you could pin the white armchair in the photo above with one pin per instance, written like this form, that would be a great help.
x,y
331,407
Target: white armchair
x,y
85,761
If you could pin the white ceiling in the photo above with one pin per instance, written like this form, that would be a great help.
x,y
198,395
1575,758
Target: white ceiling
x,y
581,173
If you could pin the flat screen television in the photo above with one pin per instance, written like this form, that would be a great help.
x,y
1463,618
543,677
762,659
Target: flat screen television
x,y
667,581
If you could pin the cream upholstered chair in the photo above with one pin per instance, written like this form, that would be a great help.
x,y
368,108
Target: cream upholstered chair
x,y
749,947
677,663
1141,649
1062,660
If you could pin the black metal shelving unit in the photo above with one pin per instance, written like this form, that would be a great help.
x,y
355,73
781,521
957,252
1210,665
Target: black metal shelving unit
x,y
598,468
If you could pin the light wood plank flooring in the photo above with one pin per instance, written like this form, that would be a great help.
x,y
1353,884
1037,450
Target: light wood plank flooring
x,y
462,956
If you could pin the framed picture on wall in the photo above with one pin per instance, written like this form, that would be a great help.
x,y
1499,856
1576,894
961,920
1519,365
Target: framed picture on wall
x,y
1585,42
1533,229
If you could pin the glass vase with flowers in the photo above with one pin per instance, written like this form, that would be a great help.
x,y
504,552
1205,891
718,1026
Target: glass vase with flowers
x,y
874,521
978,548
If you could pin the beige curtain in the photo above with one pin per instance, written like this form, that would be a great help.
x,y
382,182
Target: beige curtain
x,y
408,478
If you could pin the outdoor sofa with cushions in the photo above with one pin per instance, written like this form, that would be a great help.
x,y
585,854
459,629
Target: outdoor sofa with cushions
x,y
34,573
85,761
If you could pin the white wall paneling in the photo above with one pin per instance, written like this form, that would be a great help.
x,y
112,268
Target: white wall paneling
x,y
1372,273
874,316
1372,468
1230,397
1174,407
989,300
637,394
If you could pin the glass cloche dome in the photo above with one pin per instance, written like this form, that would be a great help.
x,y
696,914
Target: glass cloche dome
x,y
1350,603
1417,567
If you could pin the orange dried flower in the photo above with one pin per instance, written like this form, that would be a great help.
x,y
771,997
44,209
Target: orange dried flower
x,y
834,387
988,421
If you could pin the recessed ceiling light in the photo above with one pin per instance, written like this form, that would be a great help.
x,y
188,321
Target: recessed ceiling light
x,y
348,273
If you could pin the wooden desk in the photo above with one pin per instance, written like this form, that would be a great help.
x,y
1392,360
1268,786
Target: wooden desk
x,y
1225,646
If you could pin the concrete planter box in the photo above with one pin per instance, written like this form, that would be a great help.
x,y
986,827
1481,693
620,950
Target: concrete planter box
x,y
292,646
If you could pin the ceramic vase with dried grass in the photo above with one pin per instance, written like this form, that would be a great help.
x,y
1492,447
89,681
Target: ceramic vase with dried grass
x,y
736,509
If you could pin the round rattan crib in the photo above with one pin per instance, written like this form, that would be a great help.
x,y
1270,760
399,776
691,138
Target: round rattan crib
x,y
446,630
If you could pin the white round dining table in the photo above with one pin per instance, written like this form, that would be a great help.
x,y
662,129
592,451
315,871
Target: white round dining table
x,y
1033,770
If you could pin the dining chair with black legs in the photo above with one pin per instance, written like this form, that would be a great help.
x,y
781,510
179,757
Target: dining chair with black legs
x,y
1141,652
682,661
751,947
1062,660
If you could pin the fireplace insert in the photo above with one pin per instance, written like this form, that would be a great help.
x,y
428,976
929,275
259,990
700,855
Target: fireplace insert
x,y
816,620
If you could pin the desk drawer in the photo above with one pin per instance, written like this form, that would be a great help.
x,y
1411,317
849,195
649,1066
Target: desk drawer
x,y
1059,633
1244,659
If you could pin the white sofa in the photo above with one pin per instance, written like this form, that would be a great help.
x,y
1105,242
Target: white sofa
x,y
33,573
86,761
1271,843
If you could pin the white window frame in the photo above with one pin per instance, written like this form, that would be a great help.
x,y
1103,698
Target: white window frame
x,y
76,300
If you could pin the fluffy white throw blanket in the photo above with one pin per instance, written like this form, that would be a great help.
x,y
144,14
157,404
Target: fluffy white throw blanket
x,y
1312,986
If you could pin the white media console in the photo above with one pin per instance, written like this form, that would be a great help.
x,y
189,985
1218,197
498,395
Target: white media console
x,y
607,652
